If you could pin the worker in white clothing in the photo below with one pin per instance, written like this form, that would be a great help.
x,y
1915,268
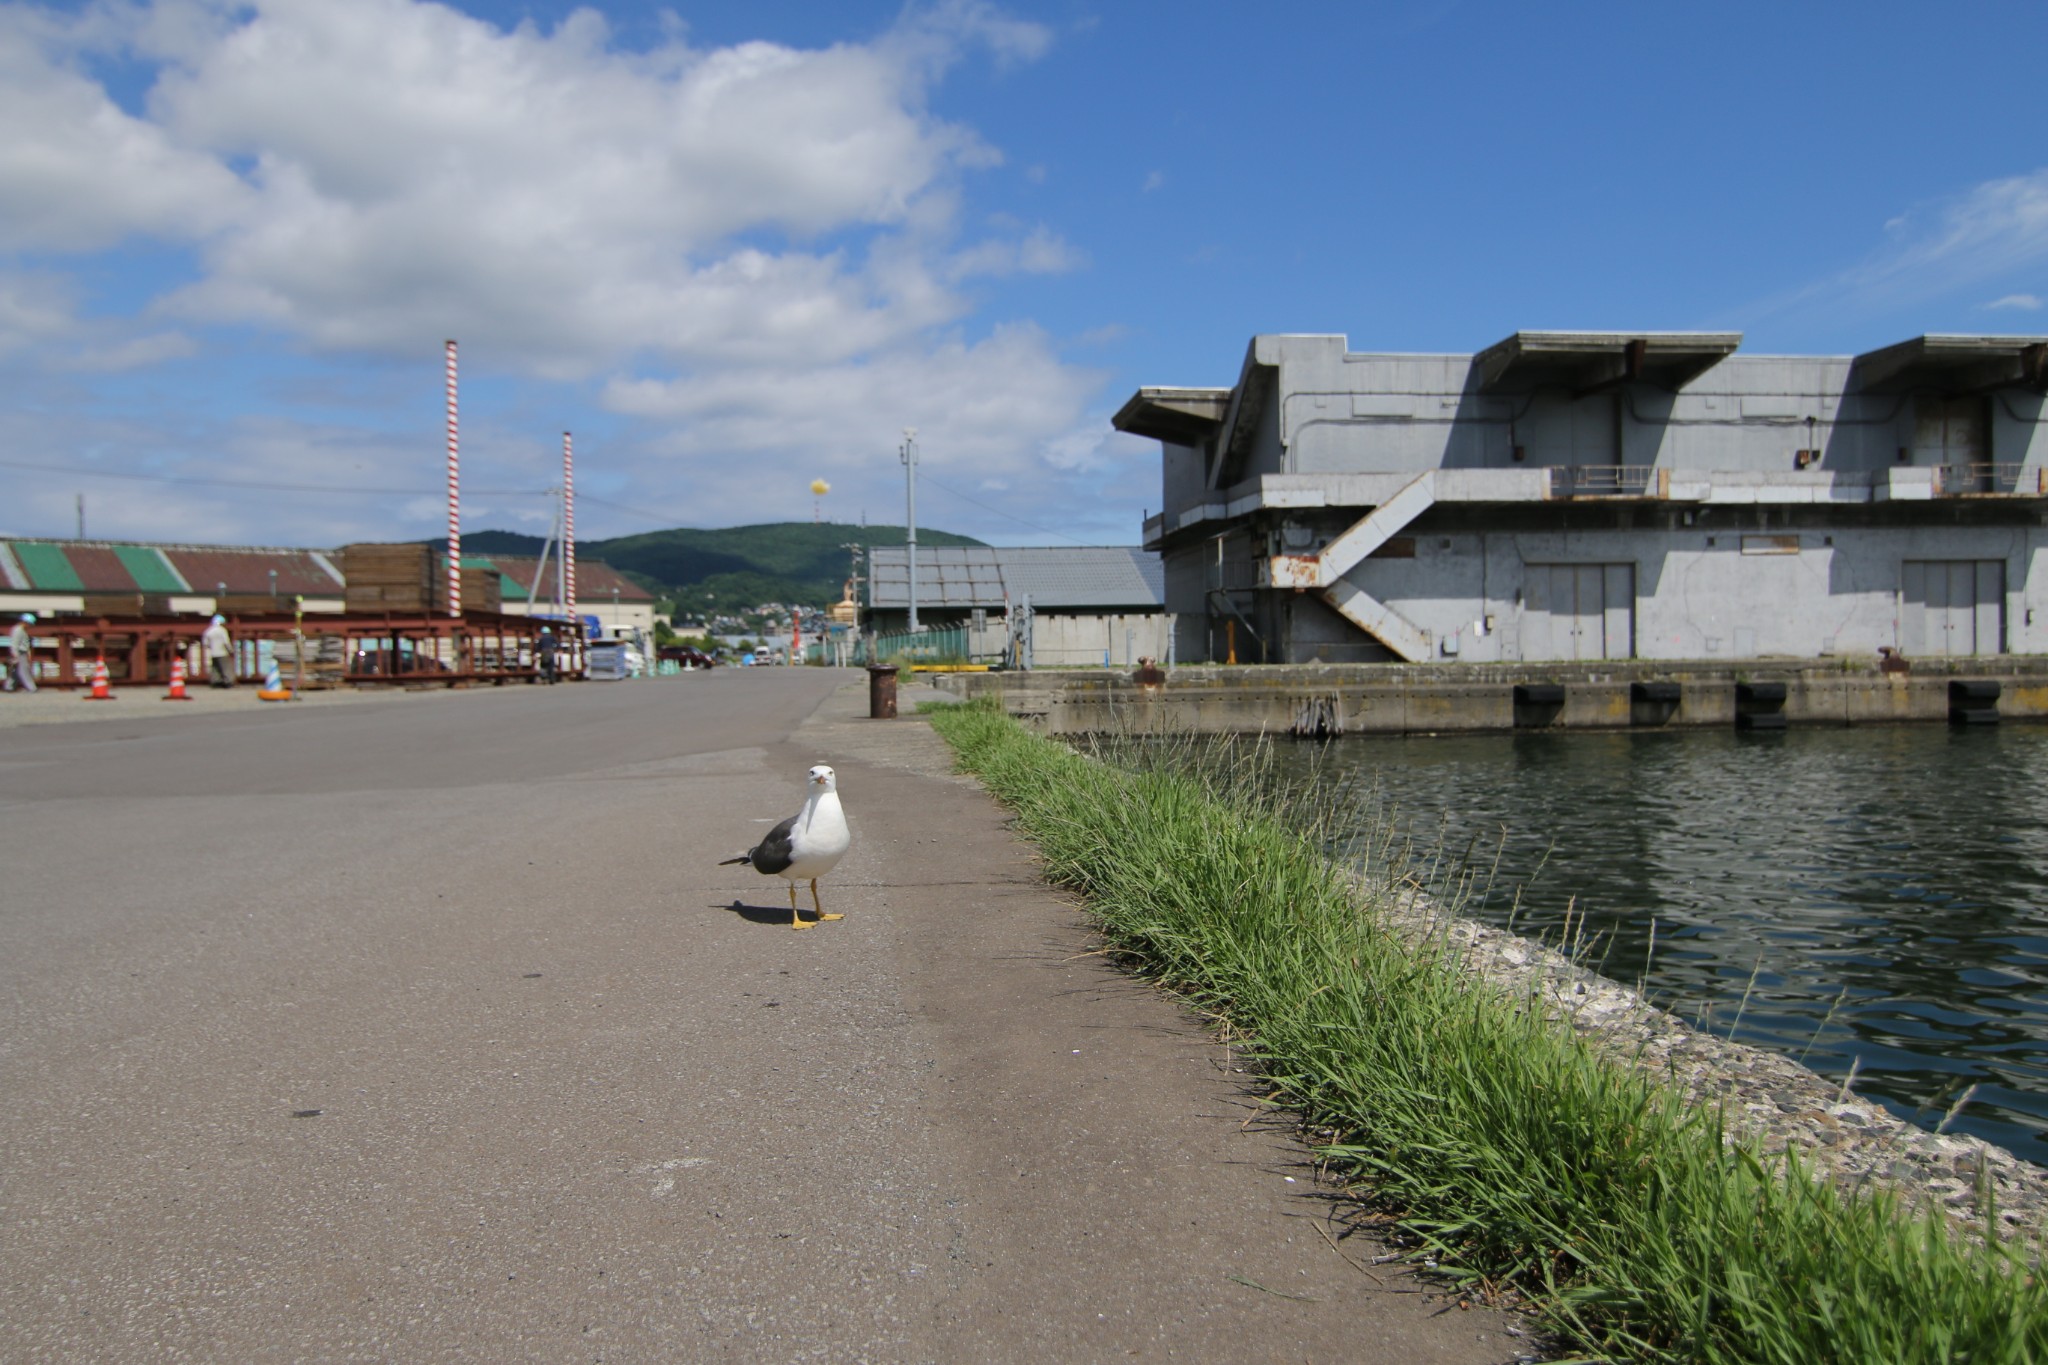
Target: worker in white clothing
x,y
220,653
21,656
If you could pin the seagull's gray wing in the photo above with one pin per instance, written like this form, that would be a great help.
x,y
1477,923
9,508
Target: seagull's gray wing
x,y
773,853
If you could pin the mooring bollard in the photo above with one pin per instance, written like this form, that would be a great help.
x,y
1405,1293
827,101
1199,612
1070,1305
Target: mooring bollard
x,y
881,691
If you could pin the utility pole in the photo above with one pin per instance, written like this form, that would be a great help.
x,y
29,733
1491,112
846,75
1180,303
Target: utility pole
x,y
910,517
81,516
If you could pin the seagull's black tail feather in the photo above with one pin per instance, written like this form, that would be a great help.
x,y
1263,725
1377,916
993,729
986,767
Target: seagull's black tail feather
x,y
743,858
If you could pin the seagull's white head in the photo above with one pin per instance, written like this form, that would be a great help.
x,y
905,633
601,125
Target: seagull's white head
x,y
824,778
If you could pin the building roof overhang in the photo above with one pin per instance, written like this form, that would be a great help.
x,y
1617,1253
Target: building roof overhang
x,y
1180,416
1586,362
1952,364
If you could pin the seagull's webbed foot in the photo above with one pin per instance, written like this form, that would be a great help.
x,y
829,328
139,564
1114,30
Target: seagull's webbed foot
x,y
816,903
796,919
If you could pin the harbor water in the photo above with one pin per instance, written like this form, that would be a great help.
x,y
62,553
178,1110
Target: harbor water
x,y
1871,898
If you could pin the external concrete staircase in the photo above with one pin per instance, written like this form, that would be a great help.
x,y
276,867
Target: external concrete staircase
x,y
1324,571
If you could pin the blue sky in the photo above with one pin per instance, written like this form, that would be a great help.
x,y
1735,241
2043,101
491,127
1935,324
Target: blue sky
x,y
739,248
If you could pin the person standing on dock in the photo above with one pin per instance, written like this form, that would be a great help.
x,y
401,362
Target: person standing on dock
x,y
21,656
546,652
219,651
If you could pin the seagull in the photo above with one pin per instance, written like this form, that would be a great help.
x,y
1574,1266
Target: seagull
x,y
806,845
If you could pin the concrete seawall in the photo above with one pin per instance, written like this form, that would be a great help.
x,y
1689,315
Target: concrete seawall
x,y
1332,699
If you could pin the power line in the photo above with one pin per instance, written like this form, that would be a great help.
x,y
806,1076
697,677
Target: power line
x,y
666,519
74,471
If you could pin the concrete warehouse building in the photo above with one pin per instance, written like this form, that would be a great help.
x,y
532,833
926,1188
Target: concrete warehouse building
x,y
1605,495
1088,605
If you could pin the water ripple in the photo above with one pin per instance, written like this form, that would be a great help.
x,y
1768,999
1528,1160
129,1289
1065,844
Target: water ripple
x,y
1887,888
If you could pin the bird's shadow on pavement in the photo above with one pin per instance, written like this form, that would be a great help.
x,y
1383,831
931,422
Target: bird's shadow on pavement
x,y
759,914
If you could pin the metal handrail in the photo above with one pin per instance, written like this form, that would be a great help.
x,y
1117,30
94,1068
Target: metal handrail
x,y
1959,480
1609,480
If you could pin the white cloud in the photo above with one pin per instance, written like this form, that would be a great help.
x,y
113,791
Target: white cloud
x,y
755,253
39,319
1153,181
78,173
1002,412
419,172
133,353
34,310
1039,252
1992,227
2023,302
1996,229
407,170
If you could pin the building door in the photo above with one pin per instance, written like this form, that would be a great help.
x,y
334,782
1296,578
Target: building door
x,y
1579,611
1955,434
1952,607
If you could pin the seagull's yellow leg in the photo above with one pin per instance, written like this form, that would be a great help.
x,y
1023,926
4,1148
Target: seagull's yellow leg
x,y
796,921
814,900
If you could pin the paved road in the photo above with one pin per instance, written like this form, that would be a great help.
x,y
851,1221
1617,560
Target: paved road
x,y
430,1030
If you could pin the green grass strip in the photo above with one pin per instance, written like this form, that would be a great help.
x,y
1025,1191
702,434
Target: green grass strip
x,y
1506,1144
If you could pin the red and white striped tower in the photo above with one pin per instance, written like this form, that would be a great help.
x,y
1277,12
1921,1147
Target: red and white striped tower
x,y
454,498
568,526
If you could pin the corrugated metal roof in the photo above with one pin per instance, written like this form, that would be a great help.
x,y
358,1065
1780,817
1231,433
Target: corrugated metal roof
x,y
965,576
299,572
150,570
125,566
106,566
47,567
99,569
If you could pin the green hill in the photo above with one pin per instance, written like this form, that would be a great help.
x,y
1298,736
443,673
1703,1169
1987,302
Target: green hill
x,y
730,567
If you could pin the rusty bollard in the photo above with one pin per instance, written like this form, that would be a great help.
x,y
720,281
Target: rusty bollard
x,y
881,691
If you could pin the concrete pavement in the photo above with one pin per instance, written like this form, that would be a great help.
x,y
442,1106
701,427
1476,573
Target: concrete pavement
x,y
430,1030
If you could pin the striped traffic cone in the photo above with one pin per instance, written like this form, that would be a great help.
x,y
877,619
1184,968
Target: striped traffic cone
x,y
273,688
102,686
177,692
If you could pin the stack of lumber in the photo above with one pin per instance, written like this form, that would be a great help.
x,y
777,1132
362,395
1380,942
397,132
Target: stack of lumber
x,y
127,604
403,579
411,580
482,590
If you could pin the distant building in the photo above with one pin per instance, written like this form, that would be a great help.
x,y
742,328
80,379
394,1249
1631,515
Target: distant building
x,y
59,577
118,578
1589,495
1089,605
620,605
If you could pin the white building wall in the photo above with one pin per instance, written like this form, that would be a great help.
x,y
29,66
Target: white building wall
x,y
1700,593
1116,641
1341,413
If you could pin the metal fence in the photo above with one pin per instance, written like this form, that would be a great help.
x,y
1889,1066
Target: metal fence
x,y
1961,480
944,645
1609,481
940,645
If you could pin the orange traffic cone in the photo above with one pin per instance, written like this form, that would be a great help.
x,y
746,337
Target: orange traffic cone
x,y
177,692
102,689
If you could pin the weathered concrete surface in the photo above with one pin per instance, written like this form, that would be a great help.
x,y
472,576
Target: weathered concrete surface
x,y
429,1030
1432,698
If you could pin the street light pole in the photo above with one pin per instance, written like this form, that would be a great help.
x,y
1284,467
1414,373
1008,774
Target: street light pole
x,y
910,514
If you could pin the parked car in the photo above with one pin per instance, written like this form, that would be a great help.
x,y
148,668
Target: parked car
x,y
686,656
